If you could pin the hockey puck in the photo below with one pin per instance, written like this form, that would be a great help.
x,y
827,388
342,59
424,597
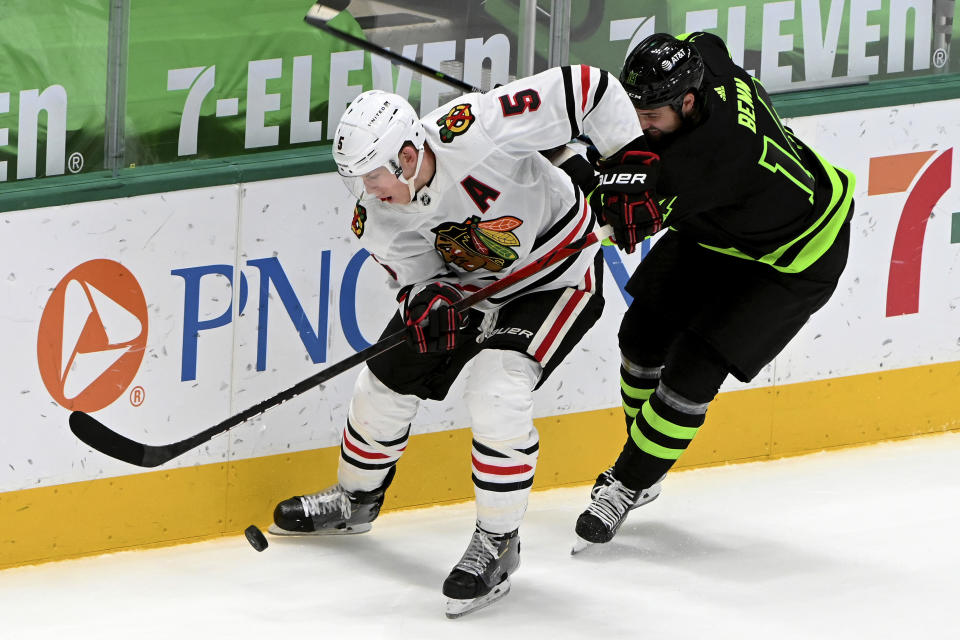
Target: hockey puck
x,y
255,537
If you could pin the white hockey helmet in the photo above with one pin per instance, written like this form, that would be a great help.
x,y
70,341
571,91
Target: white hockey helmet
x,y
370,135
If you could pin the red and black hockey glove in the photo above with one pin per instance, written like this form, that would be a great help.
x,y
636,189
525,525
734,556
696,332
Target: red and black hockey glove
x,y
625,197
433,325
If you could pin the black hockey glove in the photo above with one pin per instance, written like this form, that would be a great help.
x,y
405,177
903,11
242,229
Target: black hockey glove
x,y
625,197
433,325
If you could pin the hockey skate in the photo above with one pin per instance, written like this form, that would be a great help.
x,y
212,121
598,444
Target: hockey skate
x,y
333,511
610,502
483,574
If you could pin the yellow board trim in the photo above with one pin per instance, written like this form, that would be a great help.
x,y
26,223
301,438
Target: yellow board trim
x,y
195,503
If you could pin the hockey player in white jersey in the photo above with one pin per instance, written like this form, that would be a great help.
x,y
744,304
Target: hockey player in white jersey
x,y
447,204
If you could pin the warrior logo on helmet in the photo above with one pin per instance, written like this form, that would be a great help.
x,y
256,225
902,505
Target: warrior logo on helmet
x,y
456,122
473,245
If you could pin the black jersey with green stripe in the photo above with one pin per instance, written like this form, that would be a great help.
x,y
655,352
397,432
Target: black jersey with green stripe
x,y
741,183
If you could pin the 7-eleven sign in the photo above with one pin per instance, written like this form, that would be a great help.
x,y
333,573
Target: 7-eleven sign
x,y
898,174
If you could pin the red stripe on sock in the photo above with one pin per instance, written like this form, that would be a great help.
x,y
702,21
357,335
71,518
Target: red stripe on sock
x,y
500,471
366,454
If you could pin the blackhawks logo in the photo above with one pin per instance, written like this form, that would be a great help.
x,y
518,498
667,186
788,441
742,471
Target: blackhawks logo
x,y
457,121
473,245
359,217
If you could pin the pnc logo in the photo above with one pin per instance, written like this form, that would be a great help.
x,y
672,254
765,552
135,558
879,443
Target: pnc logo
x,y
92,335
896,174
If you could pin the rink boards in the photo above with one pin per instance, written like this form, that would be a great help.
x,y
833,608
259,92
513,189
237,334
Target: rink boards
x,y
164,313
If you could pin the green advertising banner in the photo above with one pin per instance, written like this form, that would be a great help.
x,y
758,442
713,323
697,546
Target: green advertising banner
x,y
221,78
52,87
788,44
208,80
157,82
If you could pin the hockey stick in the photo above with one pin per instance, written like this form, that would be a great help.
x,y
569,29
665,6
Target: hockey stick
x,y
105,440
323,12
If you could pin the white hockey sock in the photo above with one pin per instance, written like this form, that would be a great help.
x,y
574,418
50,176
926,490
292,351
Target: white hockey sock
x,y
377,431
502,477
365,462
505,442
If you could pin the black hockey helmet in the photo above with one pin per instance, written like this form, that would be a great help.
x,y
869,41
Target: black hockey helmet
x,y
660,71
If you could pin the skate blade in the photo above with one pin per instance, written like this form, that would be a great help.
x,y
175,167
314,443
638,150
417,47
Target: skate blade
x,y
579,545
346,531
457,608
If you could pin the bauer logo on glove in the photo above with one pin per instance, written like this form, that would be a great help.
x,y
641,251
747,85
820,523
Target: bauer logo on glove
x,y
623,178
625,198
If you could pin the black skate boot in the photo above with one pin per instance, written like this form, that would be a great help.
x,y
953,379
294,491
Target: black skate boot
x,y
647,495
483,574
333,511
610,502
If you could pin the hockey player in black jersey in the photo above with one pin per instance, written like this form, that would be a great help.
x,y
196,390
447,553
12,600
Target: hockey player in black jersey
x,y
448,204
758,237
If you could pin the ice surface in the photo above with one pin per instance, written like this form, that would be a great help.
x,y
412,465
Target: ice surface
x,y
857,543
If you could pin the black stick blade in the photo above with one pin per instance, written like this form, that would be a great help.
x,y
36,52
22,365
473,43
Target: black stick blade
x,y
100,437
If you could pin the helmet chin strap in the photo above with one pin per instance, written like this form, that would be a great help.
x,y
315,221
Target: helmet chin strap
x,y
412,180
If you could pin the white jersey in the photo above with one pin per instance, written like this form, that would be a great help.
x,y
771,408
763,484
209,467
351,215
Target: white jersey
x,y
495,204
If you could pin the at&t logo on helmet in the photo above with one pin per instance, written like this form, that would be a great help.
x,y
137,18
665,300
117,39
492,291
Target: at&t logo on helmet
x,y
92,335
